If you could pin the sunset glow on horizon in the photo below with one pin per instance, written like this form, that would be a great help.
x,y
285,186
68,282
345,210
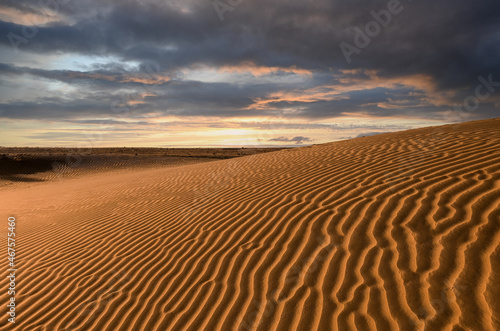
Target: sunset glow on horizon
x,y
181,73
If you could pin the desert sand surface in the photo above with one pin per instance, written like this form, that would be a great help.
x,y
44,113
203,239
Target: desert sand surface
x,y
399,231
21,165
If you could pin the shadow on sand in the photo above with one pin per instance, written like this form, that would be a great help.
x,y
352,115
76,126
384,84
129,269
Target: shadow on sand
x,y
16,168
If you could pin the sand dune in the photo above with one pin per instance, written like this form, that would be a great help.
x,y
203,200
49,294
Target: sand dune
x,y
21,165
399,231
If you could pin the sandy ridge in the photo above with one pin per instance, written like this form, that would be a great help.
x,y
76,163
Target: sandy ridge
x,y
396,231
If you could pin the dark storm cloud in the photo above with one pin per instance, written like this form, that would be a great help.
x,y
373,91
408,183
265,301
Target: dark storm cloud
x,y
453,42
29,7
53,109
101,78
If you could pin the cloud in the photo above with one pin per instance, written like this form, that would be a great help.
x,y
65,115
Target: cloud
x,y
305,35
298,140
268,59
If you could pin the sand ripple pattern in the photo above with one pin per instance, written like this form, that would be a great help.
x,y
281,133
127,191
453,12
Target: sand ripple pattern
x,y
399,231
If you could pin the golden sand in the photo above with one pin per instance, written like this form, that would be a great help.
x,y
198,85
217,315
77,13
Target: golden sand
x,y
399,231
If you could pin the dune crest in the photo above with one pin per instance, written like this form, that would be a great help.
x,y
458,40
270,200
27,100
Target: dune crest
x,y
399,231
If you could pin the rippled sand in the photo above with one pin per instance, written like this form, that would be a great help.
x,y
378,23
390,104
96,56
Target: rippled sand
x,y
399,231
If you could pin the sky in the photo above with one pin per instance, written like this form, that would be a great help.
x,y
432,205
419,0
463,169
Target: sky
x,y
171,73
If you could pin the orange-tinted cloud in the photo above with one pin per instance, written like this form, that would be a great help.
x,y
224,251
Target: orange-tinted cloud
x,y
29,18
425,87
257,70
153,80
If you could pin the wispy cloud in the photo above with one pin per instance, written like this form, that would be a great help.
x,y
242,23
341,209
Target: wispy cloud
x,y
299,140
